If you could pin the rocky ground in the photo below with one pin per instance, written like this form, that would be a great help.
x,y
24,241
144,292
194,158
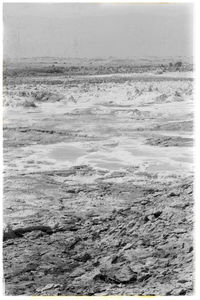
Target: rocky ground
x,y
98,185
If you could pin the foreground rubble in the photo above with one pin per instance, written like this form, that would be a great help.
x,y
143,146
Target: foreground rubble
x,y
145,247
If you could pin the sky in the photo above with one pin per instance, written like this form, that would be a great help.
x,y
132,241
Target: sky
x,y
97,30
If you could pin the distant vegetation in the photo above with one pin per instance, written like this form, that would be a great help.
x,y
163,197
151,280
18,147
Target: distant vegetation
x,y
92,67
178,66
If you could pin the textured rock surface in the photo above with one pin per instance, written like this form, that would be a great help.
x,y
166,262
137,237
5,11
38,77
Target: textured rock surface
x,y
144,247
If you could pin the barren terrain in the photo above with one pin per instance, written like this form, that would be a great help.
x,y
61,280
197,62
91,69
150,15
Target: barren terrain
x,y
98,181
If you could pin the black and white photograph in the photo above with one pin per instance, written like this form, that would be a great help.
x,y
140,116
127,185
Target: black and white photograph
x,y
98,149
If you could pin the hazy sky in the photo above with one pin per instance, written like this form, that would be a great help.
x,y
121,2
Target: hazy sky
x,y
97,30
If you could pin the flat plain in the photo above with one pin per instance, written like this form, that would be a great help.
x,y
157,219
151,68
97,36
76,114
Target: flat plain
x,y
98,177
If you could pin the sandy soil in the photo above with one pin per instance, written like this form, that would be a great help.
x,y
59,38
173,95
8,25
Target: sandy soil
x,y
98,176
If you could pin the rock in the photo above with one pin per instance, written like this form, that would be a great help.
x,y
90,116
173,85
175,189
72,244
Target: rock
x,y
128,246
125,275
114,259
71,243
34,234
96,262
173,194
8,232
138,268
151,261
183,280
49,286
144,277
157,214
190,249
77,272
151,217
182,292
168,293
83,257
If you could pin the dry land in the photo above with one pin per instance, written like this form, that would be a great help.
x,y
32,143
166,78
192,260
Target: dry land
x,y
98,179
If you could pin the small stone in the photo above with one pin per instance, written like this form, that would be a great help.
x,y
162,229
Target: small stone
x,y
168,293
48,287
125,275
150,261
114,259
190,249
151,217
157,214
96,262
85,257
182,281
144,277
128,246
182,292
173,194
77,272
8,233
